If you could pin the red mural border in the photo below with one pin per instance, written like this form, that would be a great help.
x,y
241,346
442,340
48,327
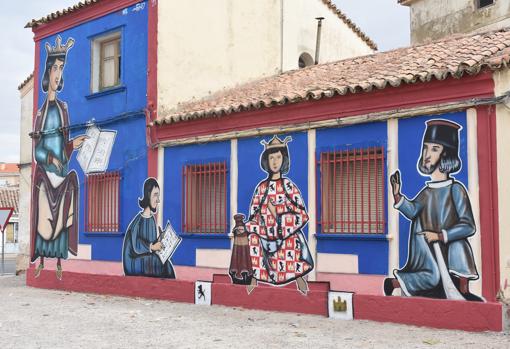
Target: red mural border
x,y
390,98
460,315
152,86
488,187
80,16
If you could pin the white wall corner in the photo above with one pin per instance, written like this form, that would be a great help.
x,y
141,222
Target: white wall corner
x,y
337,263
312,205
393,215
84,252
473,189
233,184
213,258
501,86
161,182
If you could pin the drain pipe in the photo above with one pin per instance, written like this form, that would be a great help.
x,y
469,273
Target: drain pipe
x,y
318,43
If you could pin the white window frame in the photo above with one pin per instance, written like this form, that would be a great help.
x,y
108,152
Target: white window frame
x,y
96,61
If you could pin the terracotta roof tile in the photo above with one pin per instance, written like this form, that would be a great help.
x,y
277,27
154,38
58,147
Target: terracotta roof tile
x,y
9,197
453,56
26,81
54,15
350,24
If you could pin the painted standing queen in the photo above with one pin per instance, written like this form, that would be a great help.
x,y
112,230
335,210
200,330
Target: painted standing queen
x,y
54,229
278,249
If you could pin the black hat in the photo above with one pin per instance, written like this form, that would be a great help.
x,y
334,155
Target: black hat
x,y
442,132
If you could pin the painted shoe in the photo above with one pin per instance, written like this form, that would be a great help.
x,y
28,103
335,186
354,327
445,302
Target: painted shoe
x,y
251,286
38,270
388,286
302,286
59,272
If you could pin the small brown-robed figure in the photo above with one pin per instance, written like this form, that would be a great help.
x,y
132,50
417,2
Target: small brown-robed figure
x,y
440,261
241,269
54,225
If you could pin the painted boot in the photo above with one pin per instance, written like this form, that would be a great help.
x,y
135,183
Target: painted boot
x,y
302,286
38,270
251,286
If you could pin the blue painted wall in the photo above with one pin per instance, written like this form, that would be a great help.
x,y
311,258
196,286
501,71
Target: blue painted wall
x,y
123,107
410,134
175,159
372,250
250,173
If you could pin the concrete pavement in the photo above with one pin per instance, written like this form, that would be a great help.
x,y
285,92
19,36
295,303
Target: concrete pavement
x,y
37,318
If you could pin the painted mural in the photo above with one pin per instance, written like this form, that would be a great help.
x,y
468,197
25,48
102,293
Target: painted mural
x,y
440,261
270,246
54,230
147,248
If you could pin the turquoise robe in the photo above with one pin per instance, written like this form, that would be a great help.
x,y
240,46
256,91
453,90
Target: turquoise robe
x,y
441,207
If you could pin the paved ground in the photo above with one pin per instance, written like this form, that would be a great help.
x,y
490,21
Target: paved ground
x,y
35,318
10,264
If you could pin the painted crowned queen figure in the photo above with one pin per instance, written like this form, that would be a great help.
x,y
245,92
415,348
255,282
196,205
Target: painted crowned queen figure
x,y
277,246
54,230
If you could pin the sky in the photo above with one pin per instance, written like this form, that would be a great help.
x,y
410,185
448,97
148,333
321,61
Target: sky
x,y
384,21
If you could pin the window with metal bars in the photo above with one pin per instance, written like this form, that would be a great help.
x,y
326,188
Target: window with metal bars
x,y
102,198
352,188
204,198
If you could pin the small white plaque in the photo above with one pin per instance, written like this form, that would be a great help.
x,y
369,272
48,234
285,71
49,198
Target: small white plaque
x,y
340,305
203,292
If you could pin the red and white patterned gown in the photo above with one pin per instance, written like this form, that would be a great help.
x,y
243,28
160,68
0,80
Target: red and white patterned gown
x,y
278,249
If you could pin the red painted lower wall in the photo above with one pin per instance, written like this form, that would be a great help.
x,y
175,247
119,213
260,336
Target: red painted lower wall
x,y
265,297
79,277
456,315
133,286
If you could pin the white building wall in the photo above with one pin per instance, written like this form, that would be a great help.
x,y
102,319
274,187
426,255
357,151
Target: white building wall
x,y
502,85
205,46
338,41
27,103
434,19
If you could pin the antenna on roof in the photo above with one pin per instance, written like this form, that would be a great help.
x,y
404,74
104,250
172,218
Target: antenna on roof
x,y
318,42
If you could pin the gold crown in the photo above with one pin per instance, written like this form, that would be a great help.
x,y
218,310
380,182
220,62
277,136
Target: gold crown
x,y
59,49
276,142
339,304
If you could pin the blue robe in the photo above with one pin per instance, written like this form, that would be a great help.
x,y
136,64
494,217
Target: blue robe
x,y
52,143
441,207
137,258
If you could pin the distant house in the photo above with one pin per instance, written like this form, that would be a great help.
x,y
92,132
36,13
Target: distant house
x,y
26,91
9,175
9,198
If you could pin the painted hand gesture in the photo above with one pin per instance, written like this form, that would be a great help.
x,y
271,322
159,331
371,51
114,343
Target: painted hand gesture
x,y
78,141
395,185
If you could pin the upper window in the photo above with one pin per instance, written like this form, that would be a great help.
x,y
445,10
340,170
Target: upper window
x,y
205,198
352,191
102,202
106,62
484,3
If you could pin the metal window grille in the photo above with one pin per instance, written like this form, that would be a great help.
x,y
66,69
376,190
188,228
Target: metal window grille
x,y
352,191
102,210
204,198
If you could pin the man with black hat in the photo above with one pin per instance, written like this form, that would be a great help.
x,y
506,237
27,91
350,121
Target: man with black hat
x,y
440,261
